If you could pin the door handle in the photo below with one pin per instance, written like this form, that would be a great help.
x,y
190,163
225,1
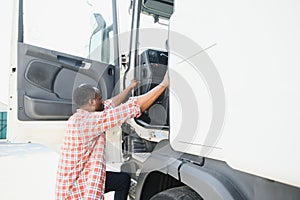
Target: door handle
x,y
69,61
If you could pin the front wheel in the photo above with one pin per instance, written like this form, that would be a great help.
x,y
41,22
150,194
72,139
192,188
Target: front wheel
x,y
178,193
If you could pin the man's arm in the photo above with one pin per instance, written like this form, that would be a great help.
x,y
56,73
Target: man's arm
x,y
118,99
133,108
146,100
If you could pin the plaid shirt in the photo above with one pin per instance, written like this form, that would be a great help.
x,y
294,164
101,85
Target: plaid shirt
x,y
81,170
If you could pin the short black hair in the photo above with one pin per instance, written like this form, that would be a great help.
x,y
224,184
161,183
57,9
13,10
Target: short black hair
x,y
82,94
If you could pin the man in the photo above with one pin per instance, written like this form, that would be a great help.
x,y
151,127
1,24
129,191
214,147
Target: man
x,y
82,169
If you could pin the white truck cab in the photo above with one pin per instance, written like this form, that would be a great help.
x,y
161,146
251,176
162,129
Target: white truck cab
x,y
226,128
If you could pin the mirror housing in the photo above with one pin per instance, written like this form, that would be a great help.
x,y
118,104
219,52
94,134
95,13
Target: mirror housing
x,y
101,24
158,8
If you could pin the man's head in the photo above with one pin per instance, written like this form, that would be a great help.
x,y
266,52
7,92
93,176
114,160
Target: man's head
x,y
88,97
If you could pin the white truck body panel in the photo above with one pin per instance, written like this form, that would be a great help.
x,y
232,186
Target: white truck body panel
x,y
254,48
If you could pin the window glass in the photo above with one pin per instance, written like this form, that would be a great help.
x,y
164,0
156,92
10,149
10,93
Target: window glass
x,y
67,26
148,27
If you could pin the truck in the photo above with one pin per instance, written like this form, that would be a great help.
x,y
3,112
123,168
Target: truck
x,y
226,128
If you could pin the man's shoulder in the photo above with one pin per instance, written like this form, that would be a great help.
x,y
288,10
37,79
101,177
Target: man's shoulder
x,y
79,114
108,104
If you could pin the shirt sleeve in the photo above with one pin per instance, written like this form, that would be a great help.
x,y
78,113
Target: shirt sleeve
x,y
112,117
108,104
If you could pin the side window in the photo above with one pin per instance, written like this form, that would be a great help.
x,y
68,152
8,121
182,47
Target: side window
x,y
70,26
147,28
101,41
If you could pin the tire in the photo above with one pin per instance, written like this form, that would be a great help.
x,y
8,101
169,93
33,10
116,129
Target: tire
x,y
178,193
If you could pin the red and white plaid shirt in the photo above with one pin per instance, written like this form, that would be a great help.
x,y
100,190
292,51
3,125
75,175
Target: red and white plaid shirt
x,y
81,170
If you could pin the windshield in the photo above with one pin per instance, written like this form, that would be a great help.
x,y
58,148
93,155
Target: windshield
x,y
70,26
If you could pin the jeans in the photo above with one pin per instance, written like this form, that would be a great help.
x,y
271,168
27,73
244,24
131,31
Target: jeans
x,y
119,182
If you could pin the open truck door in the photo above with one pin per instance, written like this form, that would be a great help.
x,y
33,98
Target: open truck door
x,y
148,64
55,49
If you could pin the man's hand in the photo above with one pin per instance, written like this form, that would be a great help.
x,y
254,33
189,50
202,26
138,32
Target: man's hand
x,y
133,84
146,100
165,81
117,100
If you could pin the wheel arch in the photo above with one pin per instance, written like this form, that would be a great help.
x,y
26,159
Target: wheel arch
x,y
166,168
207,184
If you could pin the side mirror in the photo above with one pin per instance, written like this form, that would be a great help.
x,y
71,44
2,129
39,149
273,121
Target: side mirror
x,y
158,8
101,24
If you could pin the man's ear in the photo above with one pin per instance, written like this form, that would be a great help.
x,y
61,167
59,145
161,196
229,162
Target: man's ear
x,y
91,101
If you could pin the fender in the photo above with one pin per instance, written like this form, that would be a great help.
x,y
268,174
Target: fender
x,y
179,169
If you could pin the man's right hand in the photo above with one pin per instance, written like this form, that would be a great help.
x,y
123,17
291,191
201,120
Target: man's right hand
x,y
165,81
146,100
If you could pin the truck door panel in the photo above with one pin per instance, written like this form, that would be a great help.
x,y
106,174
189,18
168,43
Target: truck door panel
x,y
46,80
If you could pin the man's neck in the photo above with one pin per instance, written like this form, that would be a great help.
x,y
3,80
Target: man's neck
x,y
87,108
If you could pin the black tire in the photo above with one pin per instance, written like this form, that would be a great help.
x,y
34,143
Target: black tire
x,y
178,193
